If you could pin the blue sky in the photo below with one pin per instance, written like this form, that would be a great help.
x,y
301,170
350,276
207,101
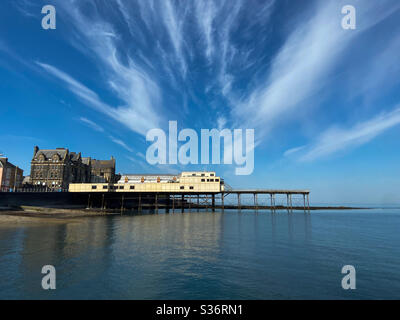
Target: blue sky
x,y
324,102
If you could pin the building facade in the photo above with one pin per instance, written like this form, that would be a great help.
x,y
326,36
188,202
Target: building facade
x,y
57,168
101,170
10,175
185,182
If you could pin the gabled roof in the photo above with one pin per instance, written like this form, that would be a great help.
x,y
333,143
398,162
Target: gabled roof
x,y
50,153
86,160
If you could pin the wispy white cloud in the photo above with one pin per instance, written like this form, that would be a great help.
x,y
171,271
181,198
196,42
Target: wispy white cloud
x,y
337,139
293,150
132,84
297,70
25,7
174,28
206,12
221,122
91,124
303,66
139,123
141,155
121,143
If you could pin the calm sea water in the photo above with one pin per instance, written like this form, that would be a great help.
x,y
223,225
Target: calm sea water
x,y
230,255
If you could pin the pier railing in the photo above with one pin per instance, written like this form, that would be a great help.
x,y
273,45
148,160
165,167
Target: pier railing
x,y
32,190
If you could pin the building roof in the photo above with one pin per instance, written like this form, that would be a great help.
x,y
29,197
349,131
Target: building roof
x,y
3,162
149,175
75,156
102,164
51,152
86,160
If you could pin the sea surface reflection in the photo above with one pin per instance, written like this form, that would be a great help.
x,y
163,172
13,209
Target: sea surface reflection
x,y
204,255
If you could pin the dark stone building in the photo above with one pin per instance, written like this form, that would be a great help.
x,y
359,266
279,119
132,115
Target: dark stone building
x,y
101,170
57,168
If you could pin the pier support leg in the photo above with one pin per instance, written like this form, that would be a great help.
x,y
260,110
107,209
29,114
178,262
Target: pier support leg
x,y
291,202
222,200
273,202
213,202
304,201
102,201
168,203
308,202
287,202
140,203
239,201
256,200
122,203
183,203
173,204
88,205
156,202
198,203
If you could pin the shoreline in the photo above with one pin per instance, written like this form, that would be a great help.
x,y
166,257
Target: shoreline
x,y
33,214
30,214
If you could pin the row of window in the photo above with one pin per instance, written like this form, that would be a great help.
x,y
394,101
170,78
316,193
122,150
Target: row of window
x,y
113,187
41,175
209,180
203,174
183,187
133,187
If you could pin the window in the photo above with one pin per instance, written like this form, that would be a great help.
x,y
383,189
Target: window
x,y
132,187
121,187
191,188
193,174
208,180
211,180
216,180
94,187
182,187
202,174
105,187
211,174
203,180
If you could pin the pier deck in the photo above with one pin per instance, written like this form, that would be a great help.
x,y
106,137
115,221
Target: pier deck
x,y
156,200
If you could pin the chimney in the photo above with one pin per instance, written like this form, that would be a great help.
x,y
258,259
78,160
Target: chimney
x,y
35,150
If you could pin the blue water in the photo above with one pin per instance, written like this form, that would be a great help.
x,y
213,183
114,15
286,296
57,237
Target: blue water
x,y
230,255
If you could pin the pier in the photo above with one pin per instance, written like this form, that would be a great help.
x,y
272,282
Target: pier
x,y
260,199
187,190
272,198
